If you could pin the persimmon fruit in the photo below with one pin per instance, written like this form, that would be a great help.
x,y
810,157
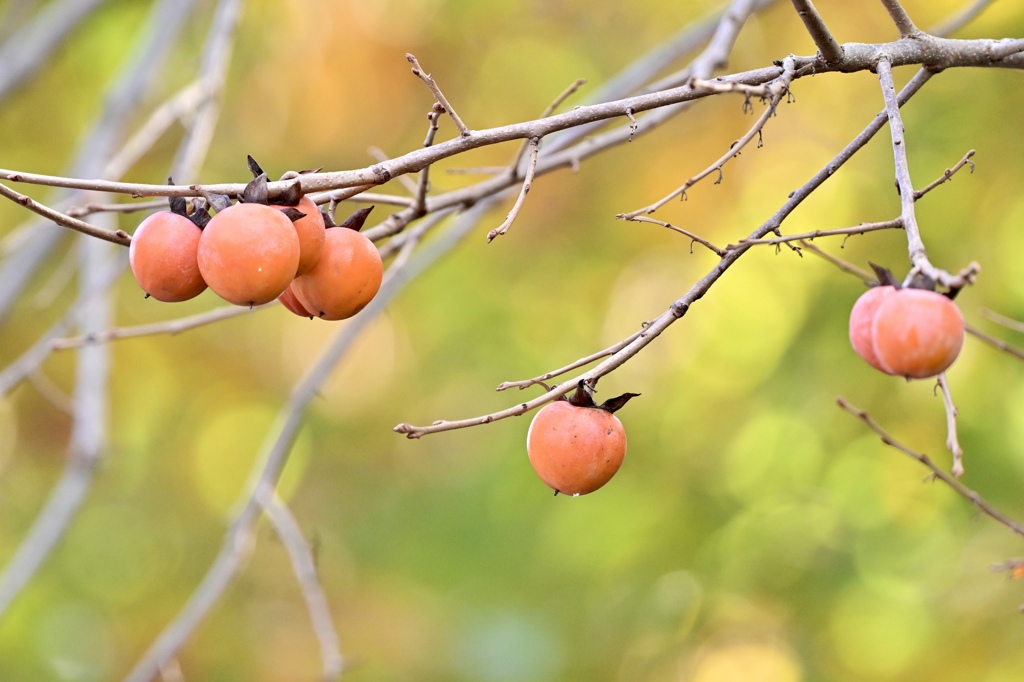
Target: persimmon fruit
x,y
576,446
249,253
163,257
346,278
310,230
289,301
913,333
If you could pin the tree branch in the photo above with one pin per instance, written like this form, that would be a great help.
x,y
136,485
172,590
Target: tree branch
x,y
828,48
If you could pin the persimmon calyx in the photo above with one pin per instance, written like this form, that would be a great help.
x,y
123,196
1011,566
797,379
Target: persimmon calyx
x,y
582,397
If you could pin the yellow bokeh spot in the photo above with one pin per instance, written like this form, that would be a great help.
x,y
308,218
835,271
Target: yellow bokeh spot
x,y
747,661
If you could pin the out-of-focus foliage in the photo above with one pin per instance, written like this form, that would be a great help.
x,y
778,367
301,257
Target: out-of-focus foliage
x,y
755,531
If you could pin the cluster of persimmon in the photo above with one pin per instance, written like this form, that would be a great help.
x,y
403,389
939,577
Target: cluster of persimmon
x,y
254,251
575,445
911,332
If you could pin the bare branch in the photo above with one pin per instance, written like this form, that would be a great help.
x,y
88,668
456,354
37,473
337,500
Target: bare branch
x,y
693,237
438,95
610,350
1003,321
531,169
894,224
994,342
937,472
828,48
682,304
777,89
119,237
947,175
901,18
404,180
864,275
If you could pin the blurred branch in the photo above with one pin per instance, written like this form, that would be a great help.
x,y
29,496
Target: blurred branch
x,y
698,290
1003,321
309,582
170,327
27,50
995,343
957,21
936,471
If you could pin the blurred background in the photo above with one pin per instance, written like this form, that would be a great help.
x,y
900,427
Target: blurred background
x,y
755,532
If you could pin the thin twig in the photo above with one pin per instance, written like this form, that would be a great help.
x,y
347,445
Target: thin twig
x,y
952,442
895,224
305,571
113,236
531,169
693,237
937,471
679,308
89,209
947,175
517,160
423,185
380,157
582,362
828,48
778,88
864,275
438,95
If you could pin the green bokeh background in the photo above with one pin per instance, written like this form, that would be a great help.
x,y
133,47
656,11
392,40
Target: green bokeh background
x,y
756,532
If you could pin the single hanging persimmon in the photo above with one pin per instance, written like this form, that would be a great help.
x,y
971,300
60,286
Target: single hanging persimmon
x,y
347,276
163,255
909,332
576,446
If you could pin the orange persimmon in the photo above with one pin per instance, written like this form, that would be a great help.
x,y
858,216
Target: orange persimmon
x,y
310,230
249,253
346,278
163,257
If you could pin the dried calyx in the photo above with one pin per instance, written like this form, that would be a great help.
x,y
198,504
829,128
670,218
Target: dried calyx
x,y
582,397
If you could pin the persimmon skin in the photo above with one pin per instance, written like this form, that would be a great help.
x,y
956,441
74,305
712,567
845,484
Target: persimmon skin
x,y
917,333
249,253
290,302
163,257
575,450
310,230
346,278
862,316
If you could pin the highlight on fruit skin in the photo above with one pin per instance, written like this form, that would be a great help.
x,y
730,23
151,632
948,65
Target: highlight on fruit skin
x,y
163,257
249,253
576,446
913,333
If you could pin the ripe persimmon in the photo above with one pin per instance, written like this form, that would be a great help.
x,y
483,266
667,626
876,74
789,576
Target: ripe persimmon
x,y
861,317
310,229
576,446
249,253
914,333
345,279
289,301
163,257
917,333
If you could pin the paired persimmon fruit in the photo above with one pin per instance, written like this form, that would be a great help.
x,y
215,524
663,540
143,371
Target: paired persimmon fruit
x,y
908,332
576,446
254,251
